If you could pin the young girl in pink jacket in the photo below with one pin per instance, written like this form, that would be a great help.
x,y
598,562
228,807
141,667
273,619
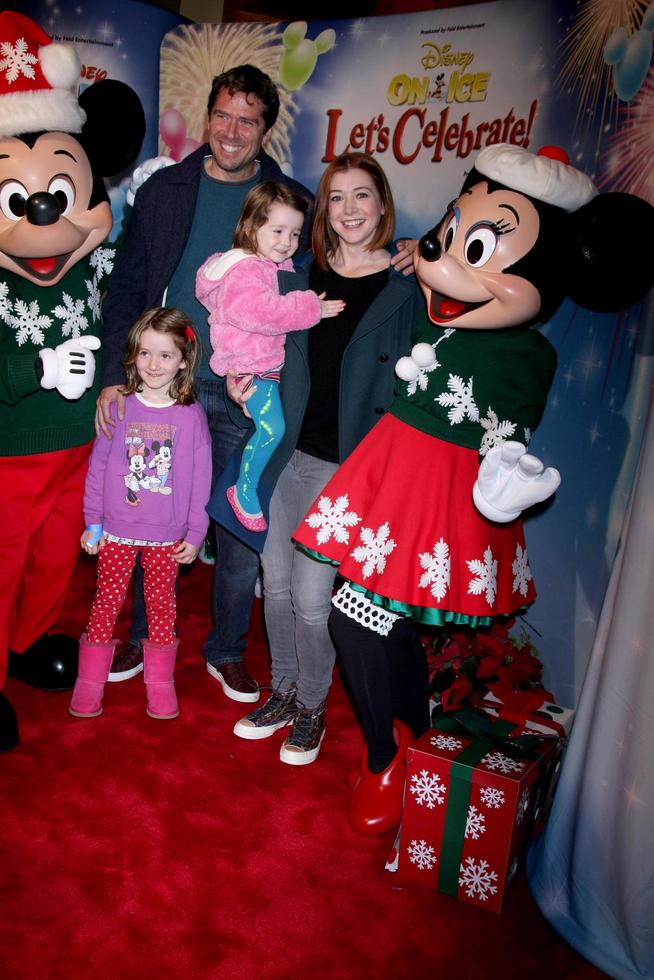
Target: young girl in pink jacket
x,y
249,320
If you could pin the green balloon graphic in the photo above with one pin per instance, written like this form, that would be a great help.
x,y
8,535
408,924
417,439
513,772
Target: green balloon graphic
x,y
301,54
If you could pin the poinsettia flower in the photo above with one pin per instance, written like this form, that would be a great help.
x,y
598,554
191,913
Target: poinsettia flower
x,y
456,695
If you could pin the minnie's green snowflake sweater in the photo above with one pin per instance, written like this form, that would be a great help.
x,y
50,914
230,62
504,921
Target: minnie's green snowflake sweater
x,y
486,386
33,420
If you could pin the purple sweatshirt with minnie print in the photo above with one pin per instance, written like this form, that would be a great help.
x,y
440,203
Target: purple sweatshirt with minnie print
x,y
152,480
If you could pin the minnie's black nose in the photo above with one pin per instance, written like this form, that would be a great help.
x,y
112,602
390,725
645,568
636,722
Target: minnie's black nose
x,y
42,208
429,246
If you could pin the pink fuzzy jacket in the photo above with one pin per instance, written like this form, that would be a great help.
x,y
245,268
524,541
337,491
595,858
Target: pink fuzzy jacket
x,y
248,318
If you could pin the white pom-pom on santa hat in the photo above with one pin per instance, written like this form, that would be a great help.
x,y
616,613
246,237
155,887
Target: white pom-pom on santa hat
x,y
38,79
546,176
60,64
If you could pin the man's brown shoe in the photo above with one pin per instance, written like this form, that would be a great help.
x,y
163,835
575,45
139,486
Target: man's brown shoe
x,y
127,662
235,680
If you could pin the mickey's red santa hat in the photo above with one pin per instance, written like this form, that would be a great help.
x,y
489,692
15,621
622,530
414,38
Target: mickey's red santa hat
x,y
38,80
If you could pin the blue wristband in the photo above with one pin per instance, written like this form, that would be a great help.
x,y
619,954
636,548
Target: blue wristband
x,y
96,531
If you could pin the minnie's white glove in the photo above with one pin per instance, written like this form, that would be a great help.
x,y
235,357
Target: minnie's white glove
x,y
70,367
510,480
142,172
422,356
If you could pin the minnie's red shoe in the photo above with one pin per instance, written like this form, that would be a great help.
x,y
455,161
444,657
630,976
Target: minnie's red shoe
x,y
376,801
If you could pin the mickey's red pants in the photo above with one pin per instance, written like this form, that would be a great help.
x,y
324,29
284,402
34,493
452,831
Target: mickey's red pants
x,y
115,566
40,526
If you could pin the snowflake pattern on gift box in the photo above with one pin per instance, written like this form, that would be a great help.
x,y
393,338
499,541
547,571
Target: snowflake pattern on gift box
x,y
333,517
422,855
498,762
447,742
512,871
475,824
491,797
477,878
427,788
523,806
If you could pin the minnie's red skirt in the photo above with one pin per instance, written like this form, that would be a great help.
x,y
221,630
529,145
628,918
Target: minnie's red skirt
x,y
399,520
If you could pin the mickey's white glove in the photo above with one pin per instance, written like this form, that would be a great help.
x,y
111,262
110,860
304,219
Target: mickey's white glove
x,y
422,356
510,480
70,367
143,171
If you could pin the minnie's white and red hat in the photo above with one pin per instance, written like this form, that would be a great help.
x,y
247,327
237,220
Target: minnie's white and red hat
x,y
546,176
38,80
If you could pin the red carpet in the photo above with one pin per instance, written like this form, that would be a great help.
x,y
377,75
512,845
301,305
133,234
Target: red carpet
x,y
135,848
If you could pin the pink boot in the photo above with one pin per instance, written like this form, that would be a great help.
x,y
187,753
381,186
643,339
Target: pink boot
x,y
158,670
94,663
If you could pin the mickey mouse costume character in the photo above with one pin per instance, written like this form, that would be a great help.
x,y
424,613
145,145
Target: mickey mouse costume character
x,y
54,217
423,519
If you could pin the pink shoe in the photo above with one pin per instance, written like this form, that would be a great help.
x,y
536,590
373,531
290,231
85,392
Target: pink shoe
x,y
158,671
253,522
94,663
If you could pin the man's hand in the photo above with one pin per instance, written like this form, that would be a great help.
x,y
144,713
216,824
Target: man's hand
x,y
185,553
103,420
239,388
403,260
70,367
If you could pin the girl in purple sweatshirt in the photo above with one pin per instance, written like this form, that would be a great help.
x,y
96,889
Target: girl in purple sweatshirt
x,y
146,492
249,319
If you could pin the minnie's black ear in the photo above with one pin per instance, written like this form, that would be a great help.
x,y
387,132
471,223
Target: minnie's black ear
x,y
610,252
114,127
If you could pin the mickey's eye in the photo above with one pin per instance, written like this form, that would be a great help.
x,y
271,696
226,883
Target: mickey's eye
x,y
12,200
450,232
63,189
480,245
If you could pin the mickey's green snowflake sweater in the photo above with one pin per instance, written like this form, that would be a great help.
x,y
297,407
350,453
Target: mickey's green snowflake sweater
x,y
33,420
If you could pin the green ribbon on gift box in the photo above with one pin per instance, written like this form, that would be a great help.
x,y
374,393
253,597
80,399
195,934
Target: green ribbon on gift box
x,y
488,735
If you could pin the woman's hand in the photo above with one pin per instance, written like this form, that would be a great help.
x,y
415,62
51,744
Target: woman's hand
x,y
239,388
330,307
185,553
402,261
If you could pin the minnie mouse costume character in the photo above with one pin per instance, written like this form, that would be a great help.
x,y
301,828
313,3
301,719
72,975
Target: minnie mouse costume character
x,y
423,519
54,217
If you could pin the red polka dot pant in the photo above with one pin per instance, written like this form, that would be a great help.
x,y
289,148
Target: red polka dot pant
x,y
115,566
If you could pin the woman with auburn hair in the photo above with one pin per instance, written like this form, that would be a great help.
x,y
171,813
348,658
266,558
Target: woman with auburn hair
x,y
336,382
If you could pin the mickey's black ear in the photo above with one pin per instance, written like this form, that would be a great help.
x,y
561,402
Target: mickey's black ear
x,y
610,253
114,127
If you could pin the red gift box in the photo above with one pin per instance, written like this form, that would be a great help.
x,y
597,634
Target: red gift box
x,y
469,809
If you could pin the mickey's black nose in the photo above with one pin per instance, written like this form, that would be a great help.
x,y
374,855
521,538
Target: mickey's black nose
x,y
42,208
429,246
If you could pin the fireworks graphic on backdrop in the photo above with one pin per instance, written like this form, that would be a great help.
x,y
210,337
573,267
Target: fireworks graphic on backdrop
x,y
584,71
628,162
192,55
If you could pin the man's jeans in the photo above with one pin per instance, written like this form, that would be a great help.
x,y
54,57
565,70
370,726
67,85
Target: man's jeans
x,y
237,565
